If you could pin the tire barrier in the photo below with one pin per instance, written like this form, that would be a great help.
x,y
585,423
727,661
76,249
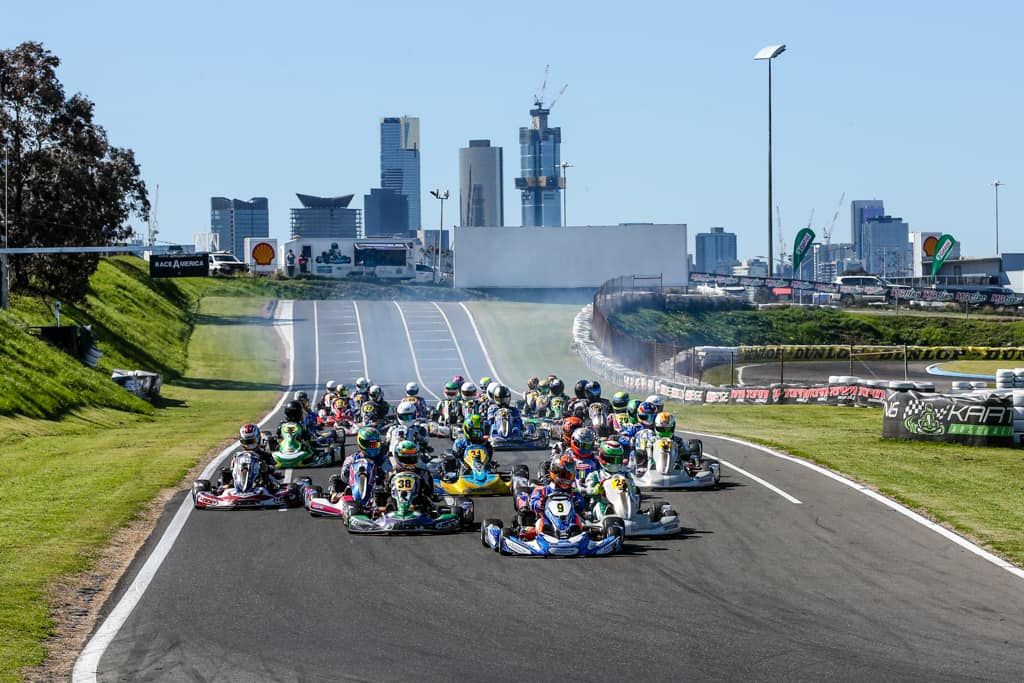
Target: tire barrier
x,y
793,352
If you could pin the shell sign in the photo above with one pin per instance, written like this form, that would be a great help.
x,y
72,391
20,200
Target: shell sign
x,y
261,254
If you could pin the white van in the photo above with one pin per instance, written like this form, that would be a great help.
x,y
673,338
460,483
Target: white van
x,y
874,290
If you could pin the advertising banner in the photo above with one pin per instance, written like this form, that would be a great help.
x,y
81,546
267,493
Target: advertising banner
x,y
261,254
943,249
179,265
967,419
801,244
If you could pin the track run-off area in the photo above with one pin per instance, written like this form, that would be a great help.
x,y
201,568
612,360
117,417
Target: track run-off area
x,y
785,572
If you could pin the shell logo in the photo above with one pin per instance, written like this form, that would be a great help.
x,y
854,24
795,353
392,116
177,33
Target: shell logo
x,y
929,245
263,254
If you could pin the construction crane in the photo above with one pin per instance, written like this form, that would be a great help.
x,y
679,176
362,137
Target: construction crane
x,y
811,218
782,240
538,97
557,96
154,222
835,217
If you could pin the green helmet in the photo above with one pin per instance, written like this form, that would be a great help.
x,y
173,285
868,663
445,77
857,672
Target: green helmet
x,y
632,406
368,440
407,454
451,390
473,427
484,381
611,456
620,401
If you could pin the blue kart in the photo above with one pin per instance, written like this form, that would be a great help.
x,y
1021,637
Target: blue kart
x,y
510,433
563,533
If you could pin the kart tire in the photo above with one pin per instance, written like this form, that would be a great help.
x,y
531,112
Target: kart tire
x,y
612,525
334,484
505,533
521,471
655,513
483,529
695,446
201,485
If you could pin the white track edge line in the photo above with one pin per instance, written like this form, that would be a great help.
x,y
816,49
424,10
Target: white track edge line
x,y
412,351
888,502
88,661
483,347
362,341
762,482
458,348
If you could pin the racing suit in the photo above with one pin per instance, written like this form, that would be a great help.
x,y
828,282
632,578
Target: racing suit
x,y
577,407
423,500
459,451
305,435
380,463
594,487
415,433
515,419
539,496
422,412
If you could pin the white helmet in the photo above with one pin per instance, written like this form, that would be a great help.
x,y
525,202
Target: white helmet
x,y
362,384
330,385
406,412
468,390
412,389
491,388
375,393
656,400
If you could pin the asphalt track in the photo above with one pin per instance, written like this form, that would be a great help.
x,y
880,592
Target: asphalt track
x,y
836,586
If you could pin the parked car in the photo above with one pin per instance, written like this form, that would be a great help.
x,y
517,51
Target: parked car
x,y
225,263
872,290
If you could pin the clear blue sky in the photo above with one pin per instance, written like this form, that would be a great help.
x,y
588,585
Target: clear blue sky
x,y
917,103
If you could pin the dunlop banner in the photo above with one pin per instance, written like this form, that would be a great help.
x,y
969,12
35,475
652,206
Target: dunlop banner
x,y
915,353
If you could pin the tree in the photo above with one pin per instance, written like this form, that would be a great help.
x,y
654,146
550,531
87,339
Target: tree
x,y
68,186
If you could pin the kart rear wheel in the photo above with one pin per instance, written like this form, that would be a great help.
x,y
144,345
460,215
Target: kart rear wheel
x,y
521,471
655,513
611,526
483,529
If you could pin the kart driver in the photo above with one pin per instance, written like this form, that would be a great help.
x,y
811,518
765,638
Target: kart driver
x,y
563,478
406,458
611,456
473,434
412,390
294,413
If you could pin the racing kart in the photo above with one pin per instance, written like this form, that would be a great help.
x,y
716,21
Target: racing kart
x,y
668,468
289,451
476,475
446,421
357,509
251,488
563,534
622,500
339,421
508,435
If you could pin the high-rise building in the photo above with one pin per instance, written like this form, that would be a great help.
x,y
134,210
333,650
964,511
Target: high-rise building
x,y
400,161
385,212
481,198
325,217
540,180
885,247
861,211
716,251
232,220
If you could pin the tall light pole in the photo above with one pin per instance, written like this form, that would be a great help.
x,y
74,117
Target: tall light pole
x,y
769,53
5,278
440,226
997,185
564,165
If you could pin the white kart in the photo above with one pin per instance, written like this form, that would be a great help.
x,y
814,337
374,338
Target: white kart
x,y
623,500
669,468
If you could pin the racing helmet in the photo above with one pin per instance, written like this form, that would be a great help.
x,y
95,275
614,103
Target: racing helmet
x,y
341,390
368,440
580,389
544,387
412,389
562,471
492,388
611,456
531,384
293,411
249,436
657,400
570,425
620,401
459,379
557,387
593,390
469,391
631,407
503,395
484,381
645,414
329,387
302,397
583,442
406,456
451,389
473,428
406,412
665,424
362,384
375,393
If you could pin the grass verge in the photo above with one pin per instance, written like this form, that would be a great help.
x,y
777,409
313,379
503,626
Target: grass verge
x,y
70,484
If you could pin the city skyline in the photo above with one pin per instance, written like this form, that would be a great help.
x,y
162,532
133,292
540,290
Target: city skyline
x,y
661,129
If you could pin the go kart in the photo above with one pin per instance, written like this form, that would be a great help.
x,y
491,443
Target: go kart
x,y
360,491
476,475
620,499
447,420
289,451
667,468
562,534
250,488
508,435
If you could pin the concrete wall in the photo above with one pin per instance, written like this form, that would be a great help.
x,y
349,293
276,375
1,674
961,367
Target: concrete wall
x,y
587,256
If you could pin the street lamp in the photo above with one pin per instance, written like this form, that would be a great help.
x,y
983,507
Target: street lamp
x,y
440,226
997,185
769,53
564,165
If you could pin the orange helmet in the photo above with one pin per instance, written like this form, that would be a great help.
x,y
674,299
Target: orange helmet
x,y
570,425
562,471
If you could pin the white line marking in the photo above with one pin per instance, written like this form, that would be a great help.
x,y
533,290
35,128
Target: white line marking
x,y
412,352
905,511
487,356
88,662
362,341
762,482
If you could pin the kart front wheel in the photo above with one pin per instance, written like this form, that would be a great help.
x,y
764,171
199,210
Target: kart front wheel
x,y
505,534
483,529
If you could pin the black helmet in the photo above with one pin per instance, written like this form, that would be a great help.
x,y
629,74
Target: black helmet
x,y
580,389
594,390
293,411
557,387
503,395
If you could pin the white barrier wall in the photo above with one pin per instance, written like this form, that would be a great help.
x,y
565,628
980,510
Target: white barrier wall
x,y
587,256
